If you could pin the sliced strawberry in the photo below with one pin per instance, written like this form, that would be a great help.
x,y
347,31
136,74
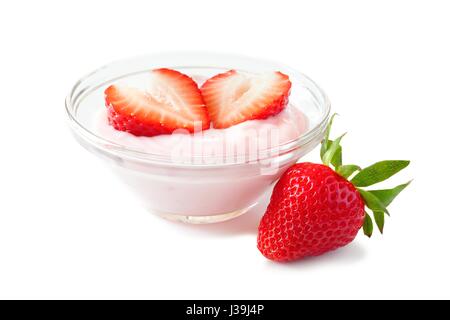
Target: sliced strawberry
x,y
233,97
173,101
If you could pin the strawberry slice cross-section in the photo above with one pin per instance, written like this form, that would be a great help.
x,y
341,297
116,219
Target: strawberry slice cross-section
x,y
233,97
173,101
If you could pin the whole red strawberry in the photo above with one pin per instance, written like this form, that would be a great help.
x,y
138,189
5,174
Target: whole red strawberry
x,y
315,209
312,210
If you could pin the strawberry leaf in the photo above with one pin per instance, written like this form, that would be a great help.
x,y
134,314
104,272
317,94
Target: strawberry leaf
x,y
378,172
347,170
336,161
387,195
379,219
325,142
368,225
332,151
372,202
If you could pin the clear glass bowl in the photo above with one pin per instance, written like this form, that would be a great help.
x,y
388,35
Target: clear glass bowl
x,y
198,190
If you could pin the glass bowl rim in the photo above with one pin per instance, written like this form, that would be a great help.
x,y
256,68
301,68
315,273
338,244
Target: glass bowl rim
x,y
122,151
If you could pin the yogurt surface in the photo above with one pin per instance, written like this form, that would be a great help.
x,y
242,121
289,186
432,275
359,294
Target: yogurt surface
x,y
246,139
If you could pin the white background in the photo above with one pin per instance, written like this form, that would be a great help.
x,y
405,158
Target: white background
x,y
68,229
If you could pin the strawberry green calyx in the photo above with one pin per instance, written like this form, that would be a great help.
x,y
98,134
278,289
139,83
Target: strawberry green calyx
x,y
375,201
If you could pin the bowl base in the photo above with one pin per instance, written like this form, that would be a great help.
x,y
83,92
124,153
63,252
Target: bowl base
x,y
201,219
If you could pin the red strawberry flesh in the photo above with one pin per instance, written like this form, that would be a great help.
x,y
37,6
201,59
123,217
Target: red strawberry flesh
x,y
233,97
173,102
